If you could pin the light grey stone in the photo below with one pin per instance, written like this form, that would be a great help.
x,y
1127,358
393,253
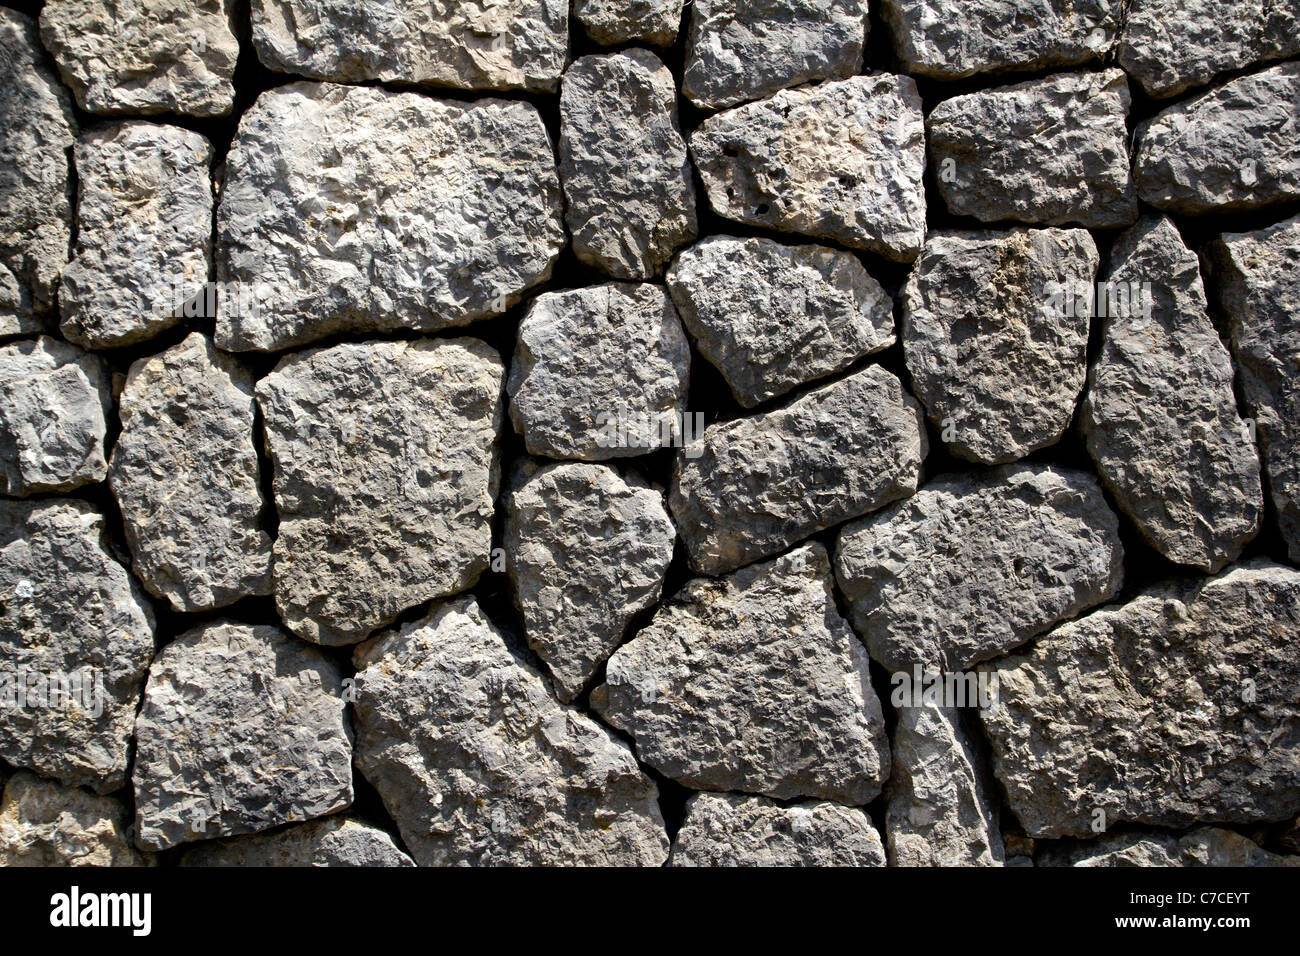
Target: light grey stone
x,y
333,841
386,469
614,22
45,824
1204,846
479,765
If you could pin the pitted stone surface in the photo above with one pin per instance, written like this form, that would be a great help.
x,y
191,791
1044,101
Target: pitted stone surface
x,y
45,824
614,22
334,841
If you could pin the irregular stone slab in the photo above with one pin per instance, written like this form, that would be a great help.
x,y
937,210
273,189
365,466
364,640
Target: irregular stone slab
x,y
260,719
1176,708
586,550
186,476
771,316
145,56
478,764
1204,846
1052,151
992,36
600,372
365,210
1232,149
753,683
1258,289
469,44
1160,417
942,806
53,406
623,162
614,22
738,51
1172,45
76,637
730,829
37,129
974,565
995,335
144,232
334,841
386,468
44,824
840,161
752,487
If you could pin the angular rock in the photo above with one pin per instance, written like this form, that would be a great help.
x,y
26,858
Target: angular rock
x,y
1234,148
469,44
992,36
144,232
752,487
995,334
365,210
44,824
54,399
1052,151
1258,289
1176,708
1204,846
738,51
333,841
37,129
1172,45
76,637
771,316
260,719
630,202
600,372
842,161
753,683
145,56
942,806
1160,417
731,829
586,550
478,764
974,565
614,22
186,476
386,468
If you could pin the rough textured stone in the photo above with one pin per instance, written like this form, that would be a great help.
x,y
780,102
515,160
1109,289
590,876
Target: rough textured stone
x,y
386,468
995,334
145,56
259,718
478,764
363,210
54,399
753,683
623,162
586,549
840,161
334,841
44,824
613,22
37,129
186,476
1232,149
1160,417
1171,45
730,829
468,44
974,565
771,316
1204,846
68,610
1181,706
942,806
951,42
1052,151
144,232
752,487
1259,290
600,372
741,50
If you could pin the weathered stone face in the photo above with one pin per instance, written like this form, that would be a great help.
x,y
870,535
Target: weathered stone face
x,y
45,824
333,841
614,22
1204,846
